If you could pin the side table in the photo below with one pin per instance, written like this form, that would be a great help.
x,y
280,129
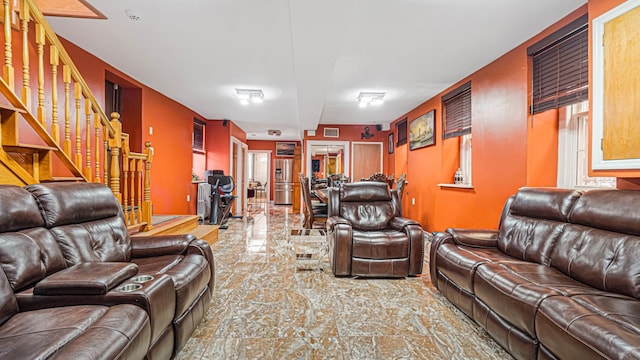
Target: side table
x,y
309,246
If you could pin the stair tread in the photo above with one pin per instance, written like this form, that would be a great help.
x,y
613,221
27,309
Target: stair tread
x,y
5,107
28,148
63,178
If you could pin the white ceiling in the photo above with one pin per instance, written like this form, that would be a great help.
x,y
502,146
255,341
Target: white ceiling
x,y
311,58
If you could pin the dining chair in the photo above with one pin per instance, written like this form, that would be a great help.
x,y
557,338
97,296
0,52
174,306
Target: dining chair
x,y
313,213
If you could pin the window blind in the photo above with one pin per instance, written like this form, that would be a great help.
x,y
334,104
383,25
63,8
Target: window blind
x,y
198,135
401,128
561,67
456,114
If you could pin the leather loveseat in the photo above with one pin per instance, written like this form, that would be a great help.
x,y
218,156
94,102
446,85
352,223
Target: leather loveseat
x,y
74,285
559,279
367,234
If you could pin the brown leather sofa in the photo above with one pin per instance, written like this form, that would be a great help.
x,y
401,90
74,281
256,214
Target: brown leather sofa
x,y
74,285
559,279
368,236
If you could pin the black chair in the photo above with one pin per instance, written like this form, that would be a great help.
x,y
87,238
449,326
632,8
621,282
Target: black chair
x,y
222,197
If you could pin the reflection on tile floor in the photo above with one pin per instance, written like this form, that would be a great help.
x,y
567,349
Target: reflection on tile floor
x,y
263,308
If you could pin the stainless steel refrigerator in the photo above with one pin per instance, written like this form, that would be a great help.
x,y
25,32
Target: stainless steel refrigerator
x,y
283,181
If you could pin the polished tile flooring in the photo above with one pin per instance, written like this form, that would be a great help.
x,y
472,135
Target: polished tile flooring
x,y
263,307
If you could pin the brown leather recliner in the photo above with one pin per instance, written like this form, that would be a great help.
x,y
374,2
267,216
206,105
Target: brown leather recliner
x,y
367,235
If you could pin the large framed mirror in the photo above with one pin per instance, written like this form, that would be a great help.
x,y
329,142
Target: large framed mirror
x,y
326,158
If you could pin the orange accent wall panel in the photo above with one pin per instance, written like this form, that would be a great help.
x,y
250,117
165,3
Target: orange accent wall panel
x,y
622,87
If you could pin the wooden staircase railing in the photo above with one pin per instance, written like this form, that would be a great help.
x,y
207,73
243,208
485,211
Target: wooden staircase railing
x,y
92,146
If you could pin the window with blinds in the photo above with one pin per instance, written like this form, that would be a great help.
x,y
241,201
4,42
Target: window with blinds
x,y
401,128
561,67
198,135
456,112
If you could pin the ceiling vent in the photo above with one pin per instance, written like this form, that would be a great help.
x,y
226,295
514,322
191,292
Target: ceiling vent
x,y
275,132
331,132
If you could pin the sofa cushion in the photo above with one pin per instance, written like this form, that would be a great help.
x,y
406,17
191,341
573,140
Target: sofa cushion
x,y
590,326
383,244
28,256
459,263
76,332
534,222
368,207
603,259
514,290
609,209
100,240
19,209
62,204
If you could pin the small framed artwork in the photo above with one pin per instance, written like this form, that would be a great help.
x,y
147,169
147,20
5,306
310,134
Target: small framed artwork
x,y
390,144
285,148
422,131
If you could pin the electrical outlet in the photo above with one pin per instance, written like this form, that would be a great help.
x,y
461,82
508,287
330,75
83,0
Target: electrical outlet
x,y
188,198
150,130
413,201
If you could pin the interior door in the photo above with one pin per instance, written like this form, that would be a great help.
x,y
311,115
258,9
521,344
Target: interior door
x,y
367,159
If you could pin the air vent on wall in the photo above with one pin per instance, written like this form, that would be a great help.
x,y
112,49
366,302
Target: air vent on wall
x,y
331,132
275,132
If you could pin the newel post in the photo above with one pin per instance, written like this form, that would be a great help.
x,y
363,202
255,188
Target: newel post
x,y
147,206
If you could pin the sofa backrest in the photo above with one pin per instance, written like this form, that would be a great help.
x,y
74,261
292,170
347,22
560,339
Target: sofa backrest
x,y
28,252
85,219
601,246
534,222
367,205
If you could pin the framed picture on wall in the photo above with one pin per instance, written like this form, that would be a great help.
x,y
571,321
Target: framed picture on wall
x,y
285,148
422,131
390,144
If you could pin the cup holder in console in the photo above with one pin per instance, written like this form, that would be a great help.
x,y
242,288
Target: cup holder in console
x,y
141,279
129,287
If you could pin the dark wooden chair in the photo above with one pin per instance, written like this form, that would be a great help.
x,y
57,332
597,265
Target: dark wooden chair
x,y
313,211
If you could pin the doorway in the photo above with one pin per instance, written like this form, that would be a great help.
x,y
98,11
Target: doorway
x,y
238,159
258,173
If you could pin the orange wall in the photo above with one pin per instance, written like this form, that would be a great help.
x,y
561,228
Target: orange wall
x,y
507,153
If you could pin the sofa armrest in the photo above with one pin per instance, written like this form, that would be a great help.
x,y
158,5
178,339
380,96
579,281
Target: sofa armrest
x,y
339,233
92,278
150,246
398,223
334,220
201,247
475,238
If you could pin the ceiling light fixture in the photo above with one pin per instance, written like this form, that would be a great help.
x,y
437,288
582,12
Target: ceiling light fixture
x,y
366,98
247,95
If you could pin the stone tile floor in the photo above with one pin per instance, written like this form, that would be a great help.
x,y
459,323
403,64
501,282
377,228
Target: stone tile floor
x,y
265,308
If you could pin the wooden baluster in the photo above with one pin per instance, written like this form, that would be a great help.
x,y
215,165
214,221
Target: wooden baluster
x,y
55,128
66,78
87,134
26,87
125,187
40,40
147,207
105,168
114,144
139,169
7,70
96,124
77,93
132,192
